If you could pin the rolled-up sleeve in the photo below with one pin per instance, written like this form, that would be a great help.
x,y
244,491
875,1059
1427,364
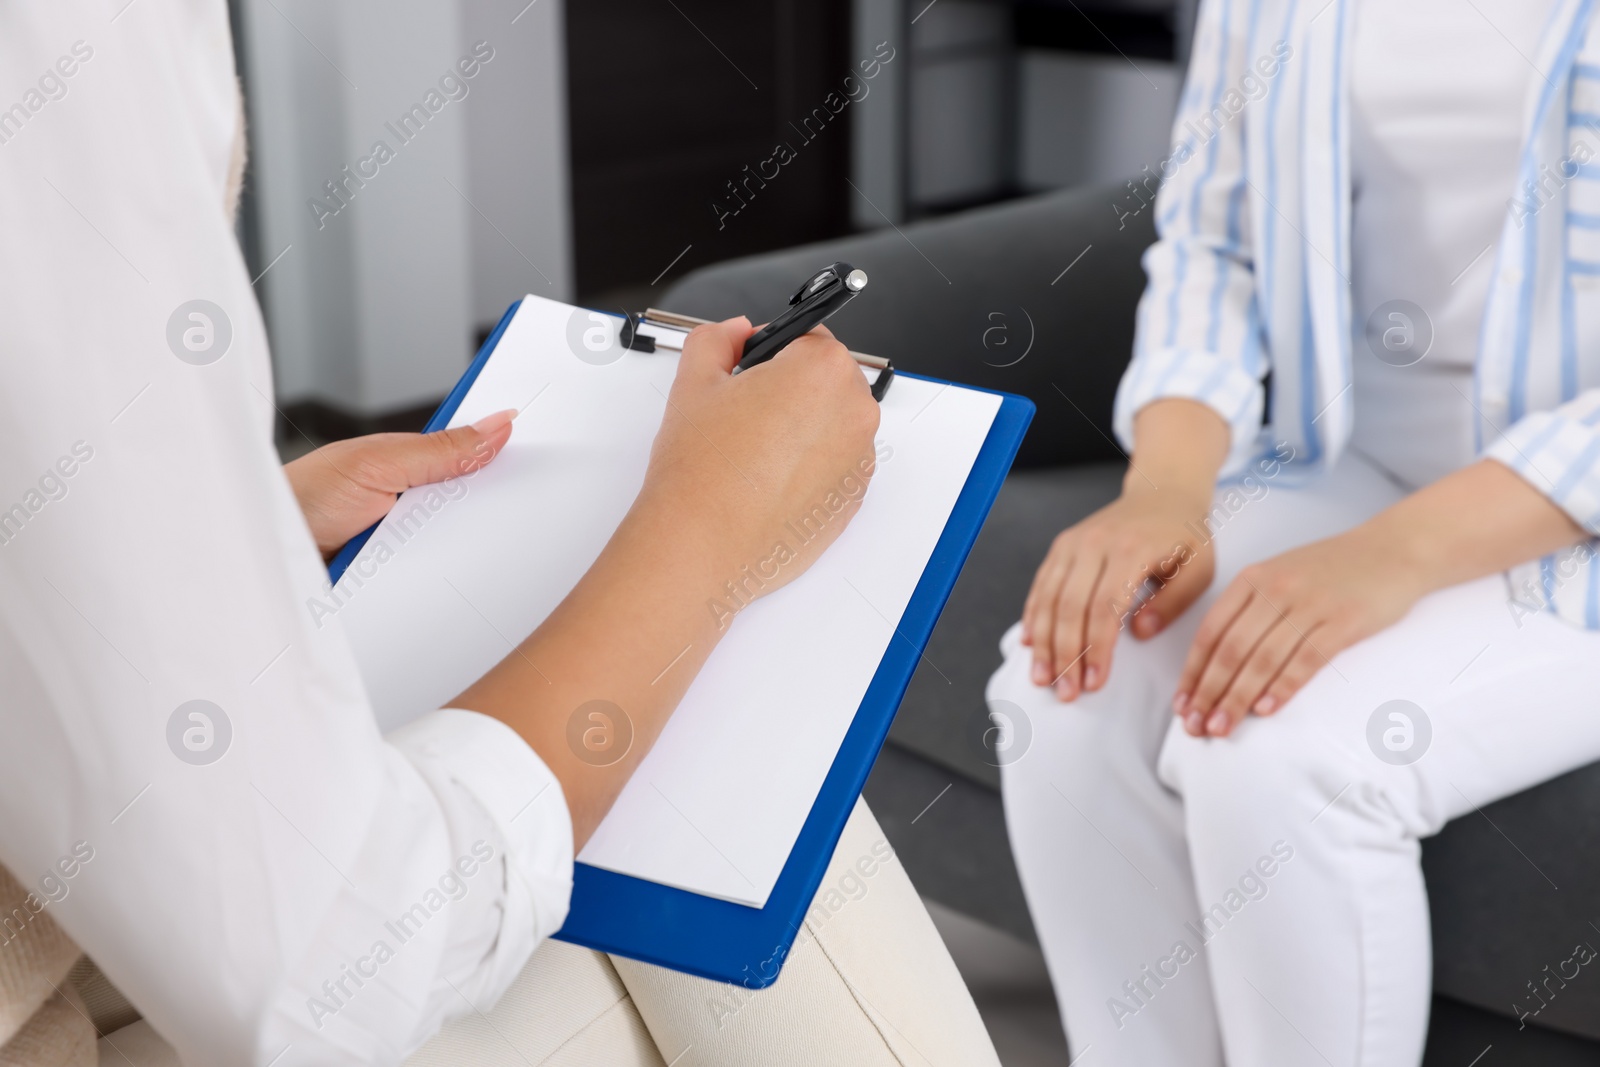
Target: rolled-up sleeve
x,y
517,801
1558,453
1198,333
456,881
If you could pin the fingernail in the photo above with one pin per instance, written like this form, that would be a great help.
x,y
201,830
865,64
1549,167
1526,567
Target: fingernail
x,y
1091,677
1066,689
1041,673
1180,704
1265,705
490,423
1192,724
1217,724
1145,624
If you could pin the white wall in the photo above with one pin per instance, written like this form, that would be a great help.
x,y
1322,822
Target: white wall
x,y
960,93
877,127
517,157
1087,119
374,308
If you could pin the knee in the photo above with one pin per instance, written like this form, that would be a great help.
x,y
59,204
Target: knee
x,y
1012,681
1104,742
1269,770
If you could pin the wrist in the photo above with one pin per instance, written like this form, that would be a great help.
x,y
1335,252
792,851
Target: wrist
x,y
1186,488
1404,549
692,535
1179,448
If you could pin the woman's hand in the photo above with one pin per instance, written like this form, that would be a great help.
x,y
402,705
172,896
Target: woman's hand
x,y
1281,620
781,452
1143,559
1094,581
347,486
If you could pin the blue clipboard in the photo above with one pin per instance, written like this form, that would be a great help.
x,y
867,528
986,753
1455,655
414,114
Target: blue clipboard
x,y
735,943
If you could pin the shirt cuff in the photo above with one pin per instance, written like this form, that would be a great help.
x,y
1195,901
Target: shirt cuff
x,y
1191,374
1558,454
491,762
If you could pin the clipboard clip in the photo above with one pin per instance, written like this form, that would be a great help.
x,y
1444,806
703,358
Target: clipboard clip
x,y
666,329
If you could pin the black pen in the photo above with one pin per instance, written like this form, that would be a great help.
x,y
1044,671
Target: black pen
x,y
824,293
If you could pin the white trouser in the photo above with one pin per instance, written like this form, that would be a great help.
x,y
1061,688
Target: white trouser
x,y
1258,899
868,983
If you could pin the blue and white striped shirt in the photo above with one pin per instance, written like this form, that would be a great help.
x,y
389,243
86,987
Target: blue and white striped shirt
x,y
1250,273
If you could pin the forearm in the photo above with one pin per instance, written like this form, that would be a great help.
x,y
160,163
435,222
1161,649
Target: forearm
x,y
638,627
634,632
1475,521
1179,446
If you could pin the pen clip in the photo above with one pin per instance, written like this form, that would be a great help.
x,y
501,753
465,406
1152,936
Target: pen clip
x,y
814,285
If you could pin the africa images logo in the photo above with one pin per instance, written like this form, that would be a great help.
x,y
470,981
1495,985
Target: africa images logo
x,y
199,332
199,732
1399,732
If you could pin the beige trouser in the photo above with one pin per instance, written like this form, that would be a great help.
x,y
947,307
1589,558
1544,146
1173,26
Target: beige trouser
x,y
867,983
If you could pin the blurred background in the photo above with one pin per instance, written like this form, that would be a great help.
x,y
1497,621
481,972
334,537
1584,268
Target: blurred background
x,y
605,149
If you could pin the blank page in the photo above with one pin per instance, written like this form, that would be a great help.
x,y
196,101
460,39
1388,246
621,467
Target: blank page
x,y
457,574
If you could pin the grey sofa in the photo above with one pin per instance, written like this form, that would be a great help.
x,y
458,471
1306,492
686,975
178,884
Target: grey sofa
x,y
987,298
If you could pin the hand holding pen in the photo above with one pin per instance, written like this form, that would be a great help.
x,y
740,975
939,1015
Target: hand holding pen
x,y
823,294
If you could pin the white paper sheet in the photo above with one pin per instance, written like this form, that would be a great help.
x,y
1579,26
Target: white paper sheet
x,y
457,574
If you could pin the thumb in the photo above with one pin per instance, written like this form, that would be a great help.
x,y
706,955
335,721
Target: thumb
x,y
1172,598
716,347
421,459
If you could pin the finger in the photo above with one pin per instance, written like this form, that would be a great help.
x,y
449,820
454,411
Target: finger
x,y
1303,664
1106,613
1030,603
818,344
714,348
1067,630
1229,656
1183,580
1212,627
1260,667
1052,569
1039,612
395,462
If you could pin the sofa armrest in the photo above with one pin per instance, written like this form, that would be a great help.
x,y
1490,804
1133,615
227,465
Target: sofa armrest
x,y
983,298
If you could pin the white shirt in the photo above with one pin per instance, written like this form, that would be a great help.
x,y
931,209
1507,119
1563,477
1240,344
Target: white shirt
x,y
152,554
1437,98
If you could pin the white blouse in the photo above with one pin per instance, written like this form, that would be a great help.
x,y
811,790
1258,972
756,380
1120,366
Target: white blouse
x,y
262,873
1438,90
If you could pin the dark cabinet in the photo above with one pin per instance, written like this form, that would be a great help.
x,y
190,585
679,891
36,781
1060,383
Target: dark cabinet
x,y
704,129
